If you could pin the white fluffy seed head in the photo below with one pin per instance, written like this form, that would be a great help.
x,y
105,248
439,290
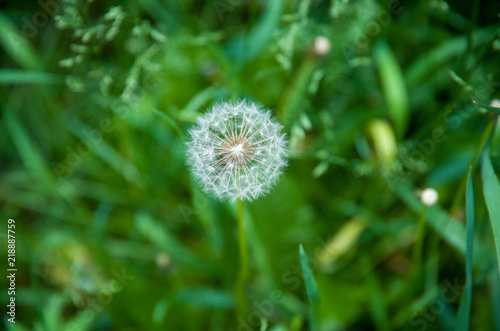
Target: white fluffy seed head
x,y
237,150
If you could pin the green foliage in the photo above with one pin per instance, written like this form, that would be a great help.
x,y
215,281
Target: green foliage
x,y
112,232
463,318
491,189
311,289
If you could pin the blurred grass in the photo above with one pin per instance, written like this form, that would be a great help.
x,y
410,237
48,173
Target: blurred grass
x,y
491,189
463,317
113,233
311,289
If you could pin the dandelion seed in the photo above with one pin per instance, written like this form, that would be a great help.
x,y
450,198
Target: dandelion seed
x,y
237,151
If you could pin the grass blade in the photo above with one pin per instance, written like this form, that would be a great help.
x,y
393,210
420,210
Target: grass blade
x,y
206,297
28,150
491,191
377,305
394,87
422,68
159,236
262,32
463,317
494,289
170,121
18,47
258,250
311,289
13,76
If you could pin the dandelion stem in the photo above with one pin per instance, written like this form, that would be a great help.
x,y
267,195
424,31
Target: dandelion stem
x,y
241,301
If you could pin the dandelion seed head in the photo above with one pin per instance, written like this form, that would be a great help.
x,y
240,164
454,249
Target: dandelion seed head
x,y
237,151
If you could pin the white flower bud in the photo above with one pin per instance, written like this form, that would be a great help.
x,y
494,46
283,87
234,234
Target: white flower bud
x,y
495,103
429,197
322,46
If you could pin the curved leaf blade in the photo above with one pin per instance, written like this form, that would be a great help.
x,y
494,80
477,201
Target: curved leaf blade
x,y
463,318
311,289
491,191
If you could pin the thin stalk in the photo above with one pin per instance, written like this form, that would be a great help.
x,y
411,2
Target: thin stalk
x,y
289,104
411,287
459,197
241,301
419,243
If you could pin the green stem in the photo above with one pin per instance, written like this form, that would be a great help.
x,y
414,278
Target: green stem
x,y
417,249
459,197
289,105
241,301
412,285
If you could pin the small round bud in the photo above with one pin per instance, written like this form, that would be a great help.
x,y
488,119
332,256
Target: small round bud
x,y
322,46
163,261
429,197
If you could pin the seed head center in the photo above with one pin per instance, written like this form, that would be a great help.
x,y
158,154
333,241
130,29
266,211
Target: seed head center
x,y
237,149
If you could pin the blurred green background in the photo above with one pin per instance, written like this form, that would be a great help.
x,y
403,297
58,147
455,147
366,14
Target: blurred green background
x,y
377,99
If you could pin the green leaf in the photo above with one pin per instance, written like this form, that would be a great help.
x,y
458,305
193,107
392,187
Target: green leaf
x,y
53,310
257,247
394,87
160,310
81,320
494,110
200,99
311,289
206,297
494,289
18,327
377,304
12,76
491,191
384,141
170,121
459,80
263,324
28,150
96,139
463,317
422,68
166,241
279,327
263,31
18,47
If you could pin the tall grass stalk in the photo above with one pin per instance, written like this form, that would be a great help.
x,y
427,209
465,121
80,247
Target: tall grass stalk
x,y
479,148
419,243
